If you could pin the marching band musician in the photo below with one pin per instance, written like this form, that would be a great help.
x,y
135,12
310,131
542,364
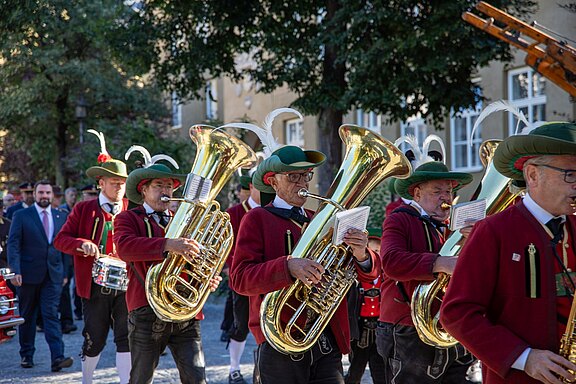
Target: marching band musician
x,y
240,303
262,264
511,293
139,238
86,236
411,239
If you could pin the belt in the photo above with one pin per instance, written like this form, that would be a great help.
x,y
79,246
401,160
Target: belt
x,y
372,292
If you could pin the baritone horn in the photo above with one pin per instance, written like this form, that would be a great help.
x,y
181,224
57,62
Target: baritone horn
x,y
293,318
177,289
427,297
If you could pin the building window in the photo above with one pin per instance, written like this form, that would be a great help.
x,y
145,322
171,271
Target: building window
x,y
415,126
295,132
176,111
527,92
211,100
370,120
465,157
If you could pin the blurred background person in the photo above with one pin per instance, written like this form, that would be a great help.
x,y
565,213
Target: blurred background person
x,y
26,199
70,197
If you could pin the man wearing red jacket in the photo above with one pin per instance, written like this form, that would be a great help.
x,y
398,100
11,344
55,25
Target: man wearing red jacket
x,y
510,296
262,264
86,236
240,303
139,238
411,238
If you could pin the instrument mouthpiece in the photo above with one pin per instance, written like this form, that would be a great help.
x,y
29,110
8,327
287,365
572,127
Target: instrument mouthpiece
x,y
165,199
445,206
303,193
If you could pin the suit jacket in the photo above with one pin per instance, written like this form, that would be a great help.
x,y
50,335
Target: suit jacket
x,y
13,209
501,299
29,252
85,223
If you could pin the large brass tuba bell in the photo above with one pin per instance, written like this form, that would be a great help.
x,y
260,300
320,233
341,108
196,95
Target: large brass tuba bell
x,y
293,318
175,288
426,299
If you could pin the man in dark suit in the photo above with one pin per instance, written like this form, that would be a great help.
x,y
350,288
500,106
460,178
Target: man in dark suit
x,y
26,199
38,269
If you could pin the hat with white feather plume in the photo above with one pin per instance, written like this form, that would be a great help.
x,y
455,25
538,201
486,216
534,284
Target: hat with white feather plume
x,y
279,158
426,168
536,139
108,167
149,171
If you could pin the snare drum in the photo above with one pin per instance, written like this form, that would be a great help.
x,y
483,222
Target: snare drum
x,y
110,273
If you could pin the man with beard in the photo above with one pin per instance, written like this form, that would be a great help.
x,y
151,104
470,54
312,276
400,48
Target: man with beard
x,y
87,235
26,199
412,237
139,238
39,273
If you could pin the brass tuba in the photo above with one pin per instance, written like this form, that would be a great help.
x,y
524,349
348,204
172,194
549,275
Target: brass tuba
x,y
426,299
175,288
369,159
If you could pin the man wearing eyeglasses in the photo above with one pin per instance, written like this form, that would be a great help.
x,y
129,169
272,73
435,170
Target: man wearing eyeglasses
x,y
510,296
262,263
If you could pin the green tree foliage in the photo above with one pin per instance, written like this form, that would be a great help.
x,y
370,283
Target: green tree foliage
x,y
54,53
391,57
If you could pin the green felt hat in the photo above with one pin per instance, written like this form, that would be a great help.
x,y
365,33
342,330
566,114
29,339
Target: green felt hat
x,y
141,176
110,168
433,170
245,181
555,138
375,232
285,159
392,186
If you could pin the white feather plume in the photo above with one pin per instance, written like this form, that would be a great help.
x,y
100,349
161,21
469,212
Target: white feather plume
x,y
420,156
264,133
100,137
160,156
497,106
429,141
149,160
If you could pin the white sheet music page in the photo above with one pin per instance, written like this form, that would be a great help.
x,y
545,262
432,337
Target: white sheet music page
x,y
355,218
469,211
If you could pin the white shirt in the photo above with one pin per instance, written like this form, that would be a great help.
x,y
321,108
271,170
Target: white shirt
x,y
543,217
252,203
281,203
104,201
40,211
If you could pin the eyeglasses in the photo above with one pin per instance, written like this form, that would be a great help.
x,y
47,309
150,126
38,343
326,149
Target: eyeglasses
x,y
569,174
296,177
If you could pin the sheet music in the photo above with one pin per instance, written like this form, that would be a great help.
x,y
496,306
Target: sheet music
x,y
355,218
469,211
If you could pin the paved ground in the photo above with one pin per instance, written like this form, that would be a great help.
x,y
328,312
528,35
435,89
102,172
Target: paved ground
x,y
217,358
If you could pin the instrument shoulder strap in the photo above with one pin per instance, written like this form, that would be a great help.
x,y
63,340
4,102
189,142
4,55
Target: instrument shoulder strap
x,y
149,233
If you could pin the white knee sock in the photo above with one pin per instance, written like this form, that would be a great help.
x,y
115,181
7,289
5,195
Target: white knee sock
x,y
88,368
236,349
123,365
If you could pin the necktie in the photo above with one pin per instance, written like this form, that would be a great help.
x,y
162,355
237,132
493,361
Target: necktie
x,y
556,225
45,224
114,208
163,219
296,215
432,221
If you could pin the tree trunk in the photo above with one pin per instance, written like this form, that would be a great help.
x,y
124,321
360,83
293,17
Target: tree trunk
x,y
60,147
330,118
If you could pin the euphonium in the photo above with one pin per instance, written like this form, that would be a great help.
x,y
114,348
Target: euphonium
x,y
175,288
426,298
369,159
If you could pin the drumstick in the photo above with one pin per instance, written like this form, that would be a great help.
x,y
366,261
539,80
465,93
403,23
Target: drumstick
x,y
85,254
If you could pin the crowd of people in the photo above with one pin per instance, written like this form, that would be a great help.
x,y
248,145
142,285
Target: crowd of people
x,y
508,302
